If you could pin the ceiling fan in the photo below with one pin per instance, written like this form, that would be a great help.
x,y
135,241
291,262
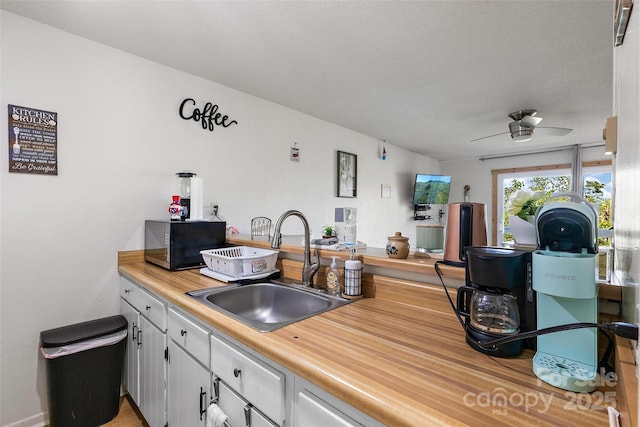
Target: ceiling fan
x,y
524,125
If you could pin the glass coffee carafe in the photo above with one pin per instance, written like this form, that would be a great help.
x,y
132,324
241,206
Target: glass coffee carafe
x,y
489,315
494,312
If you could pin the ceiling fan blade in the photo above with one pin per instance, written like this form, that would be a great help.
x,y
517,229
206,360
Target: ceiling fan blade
x,y
539,132
530,121
551,131
489,136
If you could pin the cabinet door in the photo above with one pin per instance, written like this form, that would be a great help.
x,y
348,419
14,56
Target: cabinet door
x,y
152,344
311,411
131,367
189,389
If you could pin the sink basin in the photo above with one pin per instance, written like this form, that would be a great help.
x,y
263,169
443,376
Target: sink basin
x,y
267,306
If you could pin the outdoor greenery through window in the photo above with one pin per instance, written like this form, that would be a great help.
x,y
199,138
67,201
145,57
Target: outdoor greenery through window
x,y
523,192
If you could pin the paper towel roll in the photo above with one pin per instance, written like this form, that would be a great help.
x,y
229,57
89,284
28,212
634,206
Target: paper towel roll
x,y
197,199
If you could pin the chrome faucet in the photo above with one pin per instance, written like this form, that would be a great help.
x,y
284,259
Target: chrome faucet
x,y
308,269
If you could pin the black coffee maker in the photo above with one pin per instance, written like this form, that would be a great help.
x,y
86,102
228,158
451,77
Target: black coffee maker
x,y
498,299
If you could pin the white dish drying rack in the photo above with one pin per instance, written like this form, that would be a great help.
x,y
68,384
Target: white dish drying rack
x,y
239,262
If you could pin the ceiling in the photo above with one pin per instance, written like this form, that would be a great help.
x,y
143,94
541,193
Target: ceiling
x,y
428,76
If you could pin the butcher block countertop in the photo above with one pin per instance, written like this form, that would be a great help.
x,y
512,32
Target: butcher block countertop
x,y
399,357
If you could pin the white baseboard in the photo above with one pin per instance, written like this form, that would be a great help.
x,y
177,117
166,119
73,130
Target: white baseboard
x,y
42,419
39,420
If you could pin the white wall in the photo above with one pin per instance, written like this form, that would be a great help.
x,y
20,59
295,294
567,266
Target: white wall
x,y
120,141
477,173
627,193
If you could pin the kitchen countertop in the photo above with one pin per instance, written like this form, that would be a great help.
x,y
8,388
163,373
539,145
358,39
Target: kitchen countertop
x,y
400,357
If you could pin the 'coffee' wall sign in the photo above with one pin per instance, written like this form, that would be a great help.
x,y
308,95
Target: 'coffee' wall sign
x,y
209,117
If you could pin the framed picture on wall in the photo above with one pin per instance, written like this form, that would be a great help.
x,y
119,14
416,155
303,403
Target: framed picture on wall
x,y
347,174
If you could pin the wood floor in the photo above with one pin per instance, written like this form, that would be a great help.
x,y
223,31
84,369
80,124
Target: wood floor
x,y
128,416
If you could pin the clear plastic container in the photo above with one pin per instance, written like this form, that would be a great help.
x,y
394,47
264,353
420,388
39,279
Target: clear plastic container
x,y
333,278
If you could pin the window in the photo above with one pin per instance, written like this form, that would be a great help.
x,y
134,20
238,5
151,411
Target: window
x,y
596,178
597,190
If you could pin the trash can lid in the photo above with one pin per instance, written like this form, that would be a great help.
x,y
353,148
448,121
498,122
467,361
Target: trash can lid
x,y
78,332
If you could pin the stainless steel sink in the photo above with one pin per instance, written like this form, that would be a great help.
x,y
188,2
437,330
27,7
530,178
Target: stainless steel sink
x,y
267,306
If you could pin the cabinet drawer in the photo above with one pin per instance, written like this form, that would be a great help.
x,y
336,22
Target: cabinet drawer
x,y
311,411
129,292
254,380
190,336
153,309
238,409
232,405
259,420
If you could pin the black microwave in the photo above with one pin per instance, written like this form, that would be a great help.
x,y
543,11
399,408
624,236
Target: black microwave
x,y
176,245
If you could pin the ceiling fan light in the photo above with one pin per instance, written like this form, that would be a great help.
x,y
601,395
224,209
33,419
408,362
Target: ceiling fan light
x,y
521,137
520,133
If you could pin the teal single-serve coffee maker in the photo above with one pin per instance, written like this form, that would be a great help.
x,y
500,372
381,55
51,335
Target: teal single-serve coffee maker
x,y
564,277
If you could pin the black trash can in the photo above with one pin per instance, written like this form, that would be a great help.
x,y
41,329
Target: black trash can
x,y
84,365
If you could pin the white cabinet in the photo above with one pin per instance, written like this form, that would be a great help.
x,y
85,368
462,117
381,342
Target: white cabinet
x,y
311,411
189,389
131,377
176,367
260,384
152,345
129,309
145,364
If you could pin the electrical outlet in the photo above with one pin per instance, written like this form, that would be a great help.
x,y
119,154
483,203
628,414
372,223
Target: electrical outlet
x,y
294,155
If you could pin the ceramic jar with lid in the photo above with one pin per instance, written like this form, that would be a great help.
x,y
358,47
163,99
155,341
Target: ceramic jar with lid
x,y
398,246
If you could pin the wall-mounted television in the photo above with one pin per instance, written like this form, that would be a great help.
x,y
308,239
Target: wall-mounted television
x,y
431,189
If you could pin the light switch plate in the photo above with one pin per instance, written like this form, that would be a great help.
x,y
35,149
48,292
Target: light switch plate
x,y
385,191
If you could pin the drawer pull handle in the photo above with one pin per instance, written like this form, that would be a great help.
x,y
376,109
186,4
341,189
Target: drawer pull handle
x,y
148,307
216,391
203,402
247,415
183,332
236,372
126,291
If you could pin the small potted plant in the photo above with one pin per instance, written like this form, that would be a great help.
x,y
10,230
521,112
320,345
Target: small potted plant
x,y
521,208
524,204
328,231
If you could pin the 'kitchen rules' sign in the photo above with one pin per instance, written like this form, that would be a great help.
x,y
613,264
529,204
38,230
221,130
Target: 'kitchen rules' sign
x,y
33,141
